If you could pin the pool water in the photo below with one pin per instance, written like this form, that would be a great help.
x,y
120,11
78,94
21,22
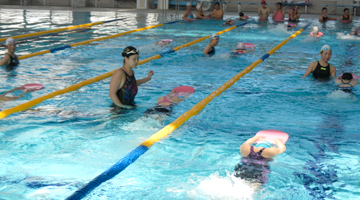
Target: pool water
x,y
64,142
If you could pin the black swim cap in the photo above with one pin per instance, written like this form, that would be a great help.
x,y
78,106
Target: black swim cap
x,y
241,14
324,8
346,9
128,51
347,76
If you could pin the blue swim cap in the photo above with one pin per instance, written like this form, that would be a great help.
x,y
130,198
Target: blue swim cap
x,y
265,144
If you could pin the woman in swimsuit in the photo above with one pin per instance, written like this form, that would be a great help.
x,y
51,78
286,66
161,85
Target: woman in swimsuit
x,y
188,14
210,48
123,85
292,16
254,165
322,69
346,17
200,14
278,14
10,59
323,17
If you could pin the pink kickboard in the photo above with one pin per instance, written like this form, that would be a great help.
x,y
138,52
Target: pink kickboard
x,y
34,86
271,135
249,45
184,89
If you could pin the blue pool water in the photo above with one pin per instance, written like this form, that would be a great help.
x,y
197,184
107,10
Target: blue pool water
x,y
52,151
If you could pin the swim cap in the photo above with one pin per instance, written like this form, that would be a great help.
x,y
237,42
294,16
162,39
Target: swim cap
x,y
217,3
347,76
263,2
262,143
213,36
325,47
228,19
198,7
324,8
129,51
188,4
9,40
315,30
240,46
241,14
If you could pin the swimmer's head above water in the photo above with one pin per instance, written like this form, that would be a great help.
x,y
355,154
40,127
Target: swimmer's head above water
x,y
129,51
240,46
9,40
214,36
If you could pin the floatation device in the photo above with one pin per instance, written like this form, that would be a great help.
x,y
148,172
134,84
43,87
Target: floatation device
x,y
33,86
183,89
271,135
249,45
320,34
354,76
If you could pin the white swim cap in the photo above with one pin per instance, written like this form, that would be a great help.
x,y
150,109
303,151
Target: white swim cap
x,y
240,46
228,19
213,36
315,30
353,29
188,4
9,40
198,7
325,47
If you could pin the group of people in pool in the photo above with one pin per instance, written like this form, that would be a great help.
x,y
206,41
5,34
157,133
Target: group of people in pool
x,y
217,13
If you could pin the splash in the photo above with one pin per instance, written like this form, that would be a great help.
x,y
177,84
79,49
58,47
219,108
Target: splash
x,y
343,36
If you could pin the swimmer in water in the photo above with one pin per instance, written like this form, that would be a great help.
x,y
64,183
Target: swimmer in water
x,y
228,22
241,49
353,31
10,59
188,14
322,69
256,153
5,98
315,32
210,48
346,17
263,11
242,16
123,85
217,13
324,17
162,42
346,82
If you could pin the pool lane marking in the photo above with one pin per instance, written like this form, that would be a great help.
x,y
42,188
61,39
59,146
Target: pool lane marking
x,y
132,156
38,100
88,41
59,30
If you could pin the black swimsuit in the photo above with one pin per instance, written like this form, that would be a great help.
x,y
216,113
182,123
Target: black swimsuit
x,y
325,19
321,72
127,93
346,89
14,61
212,50
346,18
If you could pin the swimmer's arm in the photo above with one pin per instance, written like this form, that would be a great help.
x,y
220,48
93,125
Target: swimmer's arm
x,y
350,19
338,80
5,60
321,18
116,82
332,71
207,49
211,14
274,13
146,79
341,18
259,12
297,15
244,148
309,69
275,151
185,15
354,82
4,98
282,13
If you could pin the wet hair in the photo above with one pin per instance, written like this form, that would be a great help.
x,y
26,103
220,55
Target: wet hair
x,y
324,8
241,14
126,51
346,9
347,76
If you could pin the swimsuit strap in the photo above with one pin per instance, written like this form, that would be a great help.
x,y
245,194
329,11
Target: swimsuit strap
x,y
260,152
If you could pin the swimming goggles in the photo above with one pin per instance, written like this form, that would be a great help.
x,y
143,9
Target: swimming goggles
x,y
133,51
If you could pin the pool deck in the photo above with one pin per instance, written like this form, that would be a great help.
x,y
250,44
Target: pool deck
x,y
170,11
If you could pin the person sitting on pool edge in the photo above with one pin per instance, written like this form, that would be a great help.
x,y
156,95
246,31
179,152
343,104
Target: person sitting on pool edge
x,y
200,14
5,98
188,14
346,82
217,13
210,48
228,22
123,85
256,153
241,49
263,11
323,17
10,59
166,103
322,69
242,16
346,18
278,14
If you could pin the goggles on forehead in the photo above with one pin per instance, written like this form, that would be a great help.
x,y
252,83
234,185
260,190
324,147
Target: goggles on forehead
x,y
133,51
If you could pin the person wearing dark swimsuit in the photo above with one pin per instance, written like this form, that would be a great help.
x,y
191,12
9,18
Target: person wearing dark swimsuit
x,y
323,17
346,17
346,82
200,14
322,69
10,59
123,85
292,15
254,164
210,48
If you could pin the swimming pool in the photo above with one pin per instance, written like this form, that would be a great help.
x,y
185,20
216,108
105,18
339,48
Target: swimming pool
x,y
50,153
